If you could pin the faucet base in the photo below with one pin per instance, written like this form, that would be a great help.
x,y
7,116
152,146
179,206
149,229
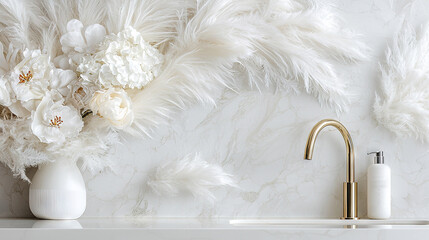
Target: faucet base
x,y
350,209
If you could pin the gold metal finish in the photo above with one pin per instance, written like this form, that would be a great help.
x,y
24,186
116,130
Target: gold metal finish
x,y
350,200
350,186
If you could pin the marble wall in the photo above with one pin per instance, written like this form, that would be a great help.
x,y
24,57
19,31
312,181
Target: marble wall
x,y
260,139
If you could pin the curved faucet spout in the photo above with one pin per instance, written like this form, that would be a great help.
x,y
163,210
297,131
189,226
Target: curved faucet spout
x,y
350,164
350,207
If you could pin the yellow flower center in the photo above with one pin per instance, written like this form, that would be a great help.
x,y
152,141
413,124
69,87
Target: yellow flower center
x,y
24,78
56,122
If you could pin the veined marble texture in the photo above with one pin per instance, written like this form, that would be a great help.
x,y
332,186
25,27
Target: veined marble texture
x,y
260,139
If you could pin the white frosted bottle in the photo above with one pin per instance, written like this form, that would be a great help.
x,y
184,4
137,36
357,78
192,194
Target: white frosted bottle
x,y
379,188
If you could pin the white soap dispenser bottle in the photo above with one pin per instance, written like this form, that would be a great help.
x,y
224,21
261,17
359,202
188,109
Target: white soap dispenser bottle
x,y
379,188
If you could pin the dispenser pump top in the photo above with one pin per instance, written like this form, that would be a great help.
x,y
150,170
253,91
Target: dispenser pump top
x,y
378,158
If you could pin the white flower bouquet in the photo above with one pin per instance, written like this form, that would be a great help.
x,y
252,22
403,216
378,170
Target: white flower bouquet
x,y
50,97
75,74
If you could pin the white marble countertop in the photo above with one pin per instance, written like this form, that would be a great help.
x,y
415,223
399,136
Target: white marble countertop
x,y
203,228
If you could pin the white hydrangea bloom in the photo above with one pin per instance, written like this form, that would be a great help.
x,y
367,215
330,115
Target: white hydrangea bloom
x,y
52,122
124,60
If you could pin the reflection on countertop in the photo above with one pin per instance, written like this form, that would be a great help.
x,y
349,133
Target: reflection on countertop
x,y
131,228
208,223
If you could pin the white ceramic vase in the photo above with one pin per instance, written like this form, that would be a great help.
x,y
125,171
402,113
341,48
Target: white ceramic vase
x,y
57,191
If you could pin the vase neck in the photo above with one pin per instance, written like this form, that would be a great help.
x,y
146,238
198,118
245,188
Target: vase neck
x,y
58,164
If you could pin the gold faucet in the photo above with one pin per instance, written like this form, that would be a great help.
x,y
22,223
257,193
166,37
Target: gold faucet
x,y
350,206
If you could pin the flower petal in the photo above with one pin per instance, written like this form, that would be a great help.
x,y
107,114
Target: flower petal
x,y
61,78
94,34
52,122
72,40
114,105
62,61
74,25
17,109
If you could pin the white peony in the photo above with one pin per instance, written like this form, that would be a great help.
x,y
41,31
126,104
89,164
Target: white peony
x,y
124,60
52,122
31,77
7,99
113,105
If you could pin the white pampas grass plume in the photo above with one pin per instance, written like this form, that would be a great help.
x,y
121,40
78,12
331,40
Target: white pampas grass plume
x,y
154,19
19,146
59,13
8,58
190,174
297,44
19,23
402,103
91,12
290,45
